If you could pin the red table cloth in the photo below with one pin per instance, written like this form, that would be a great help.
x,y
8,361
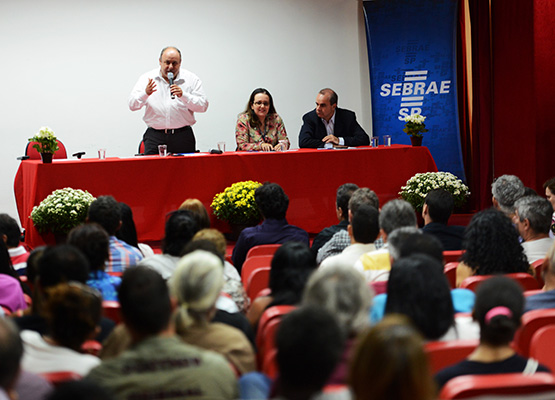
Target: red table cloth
x,y
153,186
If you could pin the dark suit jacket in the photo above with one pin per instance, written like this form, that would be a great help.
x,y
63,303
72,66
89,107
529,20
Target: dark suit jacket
x,y
450,236
346,126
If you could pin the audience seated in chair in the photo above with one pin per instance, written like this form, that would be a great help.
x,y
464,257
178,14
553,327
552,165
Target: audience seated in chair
x,y
179,230
272,203
491,247
11,234
159,364
506,190
198,210
106,212
11,288
438,207
498,309
128,232
533,221
546,299
342,197
94,243
389,362
291,267
342,239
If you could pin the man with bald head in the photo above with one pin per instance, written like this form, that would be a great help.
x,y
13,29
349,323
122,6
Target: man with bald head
x,y
329,125
171,95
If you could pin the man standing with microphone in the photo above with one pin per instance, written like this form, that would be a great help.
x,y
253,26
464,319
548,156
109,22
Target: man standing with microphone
x,y
171,95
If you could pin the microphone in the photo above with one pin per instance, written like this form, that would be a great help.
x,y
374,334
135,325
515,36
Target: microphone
x,y
170,78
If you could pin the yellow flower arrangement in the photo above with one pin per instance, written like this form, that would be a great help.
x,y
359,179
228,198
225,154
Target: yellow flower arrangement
x,y
236,203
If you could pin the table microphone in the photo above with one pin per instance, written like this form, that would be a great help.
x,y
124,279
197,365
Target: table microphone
x,y
170,78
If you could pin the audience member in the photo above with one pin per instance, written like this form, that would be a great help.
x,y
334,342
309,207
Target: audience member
x,y
309,345
498,309
233,286
72,311
363,231
106,212
128,232
375,265
11,234
418,289
180,228
94,243
342,291
341,239
82,390
491,247
342,197
291,267
11,352
389,362
199,212
533,221
505,191
329,125
11,289
549,187
272,203
438,207
159,364
545,299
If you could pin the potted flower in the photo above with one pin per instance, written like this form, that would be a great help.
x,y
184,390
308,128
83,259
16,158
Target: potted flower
x,y
415,127
61,211
45,143
417,187
236,205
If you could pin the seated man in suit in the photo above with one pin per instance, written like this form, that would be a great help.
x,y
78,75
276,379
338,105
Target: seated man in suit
x,y
329,124
438,207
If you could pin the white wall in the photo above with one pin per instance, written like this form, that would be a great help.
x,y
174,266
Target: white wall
x,y
70,65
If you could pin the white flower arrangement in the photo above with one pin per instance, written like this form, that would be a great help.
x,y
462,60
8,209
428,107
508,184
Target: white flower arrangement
x,y
62,210
417,187
415,125
45,141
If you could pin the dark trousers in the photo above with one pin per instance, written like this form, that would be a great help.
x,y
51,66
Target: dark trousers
x,y
182,140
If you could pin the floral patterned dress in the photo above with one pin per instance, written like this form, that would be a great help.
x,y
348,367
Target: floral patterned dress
x,y
250,138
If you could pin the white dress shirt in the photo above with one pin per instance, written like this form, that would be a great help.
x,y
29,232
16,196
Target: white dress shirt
x,y
163,112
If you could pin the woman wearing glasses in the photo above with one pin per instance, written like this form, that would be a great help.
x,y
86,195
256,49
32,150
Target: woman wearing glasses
x,y
259,127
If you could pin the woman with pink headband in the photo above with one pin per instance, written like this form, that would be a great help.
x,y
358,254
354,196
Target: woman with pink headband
x,y
498,309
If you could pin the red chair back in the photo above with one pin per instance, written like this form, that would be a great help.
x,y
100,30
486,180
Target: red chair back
x,y
532,321
253,263
59,377
267,327
470,386
258,280
111,310
379,287
452,256
527,281
444,354
91,347
542,348
450,271
263,250
35,155
142,147
538,267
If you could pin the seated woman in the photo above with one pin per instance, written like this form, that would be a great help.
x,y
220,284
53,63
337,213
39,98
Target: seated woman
x,y
418,289
389,362
491,247
259,127
198,210
498,309
128,232
11,288
291,267
196,284
72,312
94,243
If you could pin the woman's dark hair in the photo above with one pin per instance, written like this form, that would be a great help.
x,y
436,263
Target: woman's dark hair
x,y
492,246
72,311
498,309
181,226
291,267
127,231
418,289
253,119
94,243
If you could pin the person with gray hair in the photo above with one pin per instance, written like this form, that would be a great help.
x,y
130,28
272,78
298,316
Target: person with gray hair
x,y
505,191
11,352
196,284
375,265
533,222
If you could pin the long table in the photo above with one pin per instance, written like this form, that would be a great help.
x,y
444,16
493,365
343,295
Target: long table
x,y
153,186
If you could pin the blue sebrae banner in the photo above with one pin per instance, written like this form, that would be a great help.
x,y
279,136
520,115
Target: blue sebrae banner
x,y
412,58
